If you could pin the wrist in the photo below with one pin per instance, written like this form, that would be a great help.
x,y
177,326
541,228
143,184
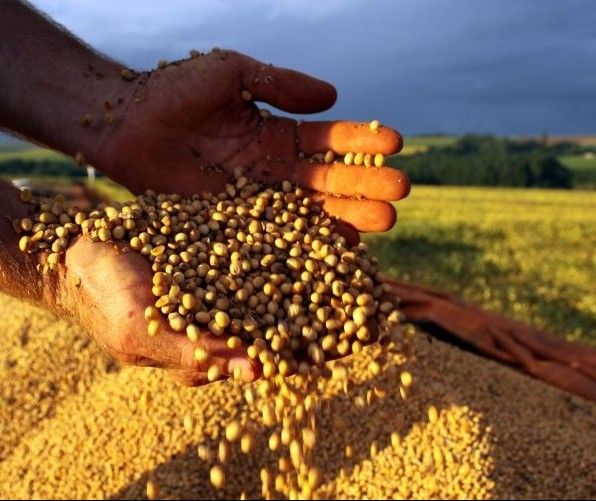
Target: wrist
x,y
91,112
62,285
21,273
98,139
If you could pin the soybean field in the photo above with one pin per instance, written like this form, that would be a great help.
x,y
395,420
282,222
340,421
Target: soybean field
x,y
528,254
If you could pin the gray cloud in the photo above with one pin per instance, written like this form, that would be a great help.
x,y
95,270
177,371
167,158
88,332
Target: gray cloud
x,y
505,67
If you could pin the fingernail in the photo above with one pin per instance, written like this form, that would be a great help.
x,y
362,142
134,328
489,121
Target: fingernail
x,y
245,367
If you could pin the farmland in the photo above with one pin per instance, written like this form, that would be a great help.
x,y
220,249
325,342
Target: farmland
x,y
30,154
528,254
583,168
420,144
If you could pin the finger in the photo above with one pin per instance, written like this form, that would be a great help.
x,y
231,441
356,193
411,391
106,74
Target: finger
x,y
373,183
343,137
376,329
189,378
175,351
348,232
286,89
363,215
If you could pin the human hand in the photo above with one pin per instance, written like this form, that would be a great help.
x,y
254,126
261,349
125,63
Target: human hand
x,y
186,127
105,289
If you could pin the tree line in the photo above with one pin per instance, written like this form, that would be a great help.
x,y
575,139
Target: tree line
x,y
16,167
475,160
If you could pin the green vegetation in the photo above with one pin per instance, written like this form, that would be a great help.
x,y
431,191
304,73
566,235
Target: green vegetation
x,y
527,254
583,168
53,170
31,154
579,162
39,169
428,159
22,160
431,141
421,144
489,161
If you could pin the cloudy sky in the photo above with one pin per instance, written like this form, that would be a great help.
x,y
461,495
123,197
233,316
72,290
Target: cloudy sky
x,y
506,67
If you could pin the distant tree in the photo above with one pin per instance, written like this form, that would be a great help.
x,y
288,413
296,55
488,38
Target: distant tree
x,y
39,168
487,161
483,145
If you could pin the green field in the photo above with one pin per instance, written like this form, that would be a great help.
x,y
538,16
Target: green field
x,y
421,144
579,162
32,153
528,254
583,168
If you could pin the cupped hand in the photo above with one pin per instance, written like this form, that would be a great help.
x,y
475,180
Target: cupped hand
x,y
187,126
106,290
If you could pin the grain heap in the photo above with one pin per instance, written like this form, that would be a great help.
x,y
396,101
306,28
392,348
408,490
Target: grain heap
x,y
265,265
76,428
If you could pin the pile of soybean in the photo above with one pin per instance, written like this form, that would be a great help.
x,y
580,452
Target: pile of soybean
x,y
75,426
402,418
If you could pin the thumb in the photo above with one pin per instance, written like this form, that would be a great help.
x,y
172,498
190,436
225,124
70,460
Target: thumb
x,y
286,89
177,353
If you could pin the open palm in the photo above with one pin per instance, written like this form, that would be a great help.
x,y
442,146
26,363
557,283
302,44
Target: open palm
x,y
111,294
188,125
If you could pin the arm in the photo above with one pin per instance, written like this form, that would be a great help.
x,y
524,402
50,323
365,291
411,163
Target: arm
x,y
196,119
51,83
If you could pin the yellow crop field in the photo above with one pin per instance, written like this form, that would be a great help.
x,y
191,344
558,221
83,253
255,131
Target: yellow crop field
x,y
528,254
